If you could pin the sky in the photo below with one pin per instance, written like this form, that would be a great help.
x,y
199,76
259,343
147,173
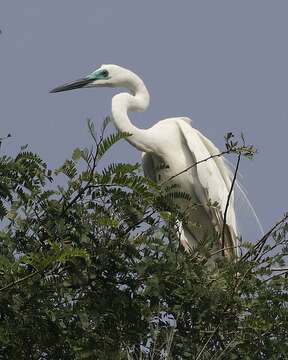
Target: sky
x,y
222,63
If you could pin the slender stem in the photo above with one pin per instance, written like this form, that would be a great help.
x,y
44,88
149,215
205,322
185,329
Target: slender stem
x,y
226,348
92,169
264,238
195,164
207,342
278,269
228,201
131,227
19,280
223,249
275,276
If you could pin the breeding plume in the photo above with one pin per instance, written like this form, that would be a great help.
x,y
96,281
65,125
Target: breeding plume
x,y
175,144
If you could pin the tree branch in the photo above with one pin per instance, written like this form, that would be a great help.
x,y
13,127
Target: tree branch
x,y
207,342
19,280
195,164
223,249
264,238
92,169
275,276
227,203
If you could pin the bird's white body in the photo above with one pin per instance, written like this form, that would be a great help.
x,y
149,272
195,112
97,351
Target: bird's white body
x,y
177,145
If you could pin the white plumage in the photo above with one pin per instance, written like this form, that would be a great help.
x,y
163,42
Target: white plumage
x,y
175,143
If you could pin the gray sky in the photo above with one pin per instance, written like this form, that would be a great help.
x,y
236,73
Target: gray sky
x,y
223,63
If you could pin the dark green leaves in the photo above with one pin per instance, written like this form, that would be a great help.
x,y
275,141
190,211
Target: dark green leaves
x,y
93,269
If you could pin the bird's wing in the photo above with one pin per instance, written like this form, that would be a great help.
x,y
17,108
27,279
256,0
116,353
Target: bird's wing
x,y
227,175
214,178
224,170
148,166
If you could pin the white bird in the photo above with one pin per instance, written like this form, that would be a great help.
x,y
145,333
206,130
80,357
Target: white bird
x,y
175,143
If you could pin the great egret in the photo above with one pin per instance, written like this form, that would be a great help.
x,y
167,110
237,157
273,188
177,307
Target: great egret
x,y
175,143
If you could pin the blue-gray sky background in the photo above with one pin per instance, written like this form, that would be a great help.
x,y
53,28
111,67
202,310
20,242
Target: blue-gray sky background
x,y
223,63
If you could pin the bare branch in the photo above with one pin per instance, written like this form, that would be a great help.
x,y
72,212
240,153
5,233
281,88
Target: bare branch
x,y
19,280
264,238
195,164
228,201
223,249
92,169
275,276
279,269
207,342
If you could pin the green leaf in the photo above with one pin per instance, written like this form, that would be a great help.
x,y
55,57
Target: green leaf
x,y
109,141
77,154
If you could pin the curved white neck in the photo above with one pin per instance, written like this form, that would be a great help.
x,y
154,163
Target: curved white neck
x,y
122,103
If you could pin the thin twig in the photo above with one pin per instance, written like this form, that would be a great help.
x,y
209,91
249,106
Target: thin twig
x,y
195,164
223,249
19,280
242,278
275,276
260,256
169,342
207,342
228,201
155,337
264,238
226,348
143,219
82,191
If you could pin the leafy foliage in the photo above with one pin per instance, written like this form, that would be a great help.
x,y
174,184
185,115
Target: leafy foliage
x,y
94,270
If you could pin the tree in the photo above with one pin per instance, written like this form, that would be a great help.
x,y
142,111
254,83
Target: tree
x,y
93,269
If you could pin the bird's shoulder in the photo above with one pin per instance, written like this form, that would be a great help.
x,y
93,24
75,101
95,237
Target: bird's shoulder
x,y
185,119
173,122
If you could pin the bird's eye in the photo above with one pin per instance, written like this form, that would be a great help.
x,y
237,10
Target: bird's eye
x,y
105,73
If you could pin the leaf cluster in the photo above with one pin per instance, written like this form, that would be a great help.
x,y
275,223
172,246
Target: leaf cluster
x,y
92,269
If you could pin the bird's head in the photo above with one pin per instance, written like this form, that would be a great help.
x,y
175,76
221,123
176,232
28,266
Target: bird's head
x,y
106,75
